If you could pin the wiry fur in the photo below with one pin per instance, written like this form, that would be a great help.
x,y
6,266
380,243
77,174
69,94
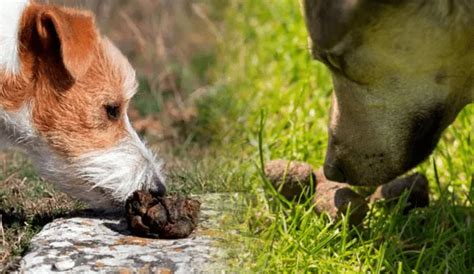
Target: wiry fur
x,y
129,82
133,170
10,14
15,127
53,105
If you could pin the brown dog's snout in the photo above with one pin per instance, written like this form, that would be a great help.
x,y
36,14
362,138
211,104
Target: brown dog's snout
x,y
334,173
332,168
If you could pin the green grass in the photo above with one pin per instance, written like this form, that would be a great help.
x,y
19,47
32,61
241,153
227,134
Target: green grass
x,y
27,203
270,74
266,99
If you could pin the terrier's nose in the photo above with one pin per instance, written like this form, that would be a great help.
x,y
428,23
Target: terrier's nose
x,y
159,189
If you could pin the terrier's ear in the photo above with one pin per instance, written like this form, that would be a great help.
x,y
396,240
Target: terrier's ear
x,y
328,20
58,43
69,36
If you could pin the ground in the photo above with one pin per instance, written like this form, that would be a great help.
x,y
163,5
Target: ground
x,y
259,96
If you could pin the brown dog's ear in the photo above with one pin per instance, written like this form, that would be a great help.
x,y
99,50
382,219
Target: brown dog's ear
x,y
69,35
328,20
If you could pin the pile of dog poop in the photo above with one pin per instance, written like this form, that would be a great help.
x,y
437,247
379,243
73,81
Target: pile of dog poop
x,y
149,215
297,181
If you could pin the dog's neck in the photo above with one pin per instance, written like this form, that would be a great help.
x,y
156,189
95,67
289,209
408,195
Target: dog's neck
x,y
15,110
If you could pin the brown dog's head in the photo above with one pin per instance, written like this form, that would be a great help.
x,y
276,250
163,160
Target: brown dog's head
x,y
402,70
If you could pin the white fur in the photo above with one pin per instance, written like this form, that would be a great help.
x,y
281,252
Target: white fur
x,y
121,63
15,127
10,15
102,177
122,169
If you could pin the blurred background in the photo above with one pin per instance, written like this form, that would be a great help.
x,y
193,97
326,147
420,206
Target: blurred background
x,y
172,45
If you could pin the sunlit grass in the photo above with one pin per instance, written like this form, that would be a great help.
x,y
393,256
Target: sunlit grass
x,y
269,70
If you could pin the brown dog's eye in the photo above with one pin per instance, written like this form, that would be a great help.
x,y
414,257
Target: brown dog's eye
x,y
113,112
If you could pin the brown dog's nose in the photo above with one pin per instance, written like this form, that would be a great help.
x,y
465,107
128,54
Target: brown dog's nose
x,y
334,173
160,189
332,168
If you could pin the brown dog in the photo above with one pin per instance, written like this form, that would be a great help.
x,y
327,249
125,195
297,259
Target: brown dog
x,y
402,71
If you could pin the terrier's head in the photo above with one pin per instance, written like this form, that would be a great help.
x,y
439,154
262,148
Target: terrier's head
x,y
66,104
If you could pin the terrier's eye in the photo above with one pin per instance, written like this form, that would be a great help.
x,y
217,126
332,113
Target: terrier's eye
x,y
113,112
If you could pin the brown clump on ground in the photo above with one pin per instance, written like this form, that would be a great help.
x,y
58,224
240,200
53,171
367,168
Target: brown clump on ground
x,y
290,178
162,217
296,179
416,185
334,199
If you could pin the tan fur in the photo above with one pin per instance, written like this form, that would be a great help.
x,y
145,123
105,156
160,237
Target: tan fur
x,y
68,89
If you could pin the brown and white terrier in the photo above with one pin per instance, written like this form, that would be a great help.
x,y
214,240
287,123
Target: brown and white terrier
x,y
64,94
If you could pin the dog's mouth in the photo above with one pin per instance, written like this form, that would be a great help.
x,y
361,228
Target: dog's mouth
x,y
359,176
370,168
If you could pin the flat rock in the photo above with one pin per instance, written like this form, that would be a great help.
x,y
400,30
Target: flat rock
x,y
104,244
